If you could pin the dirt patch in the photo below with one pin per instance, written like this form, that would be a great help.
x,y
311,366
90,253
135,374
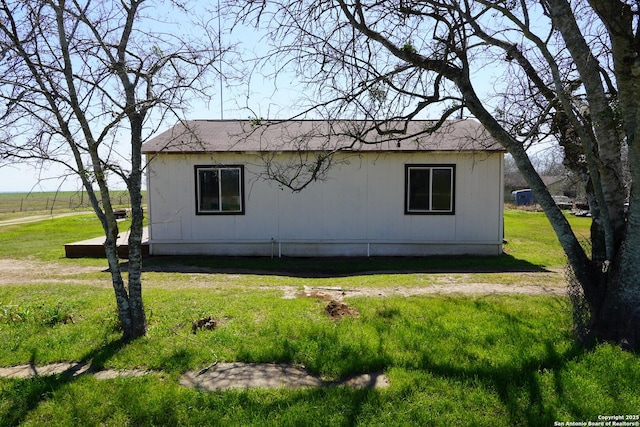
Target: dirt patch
x,y
26,272
18,272
206,323
314,294
291,292
337,310
220,376
66,368
269,375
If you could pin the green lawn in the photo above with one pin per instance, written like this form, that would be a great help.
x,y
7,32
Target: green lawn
x,y
494,360
530,237
44,240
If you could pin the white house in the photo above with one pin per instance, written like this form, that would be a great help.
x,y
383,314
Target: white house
x,y
435,193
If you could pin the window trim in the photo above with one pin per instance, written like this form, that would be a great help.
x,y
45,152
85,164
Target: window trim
x,y
431,166
197,169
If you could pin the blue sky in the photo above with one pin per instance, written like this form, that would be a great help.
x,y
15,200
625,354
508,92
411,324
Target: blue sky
x,y
261,97
228,103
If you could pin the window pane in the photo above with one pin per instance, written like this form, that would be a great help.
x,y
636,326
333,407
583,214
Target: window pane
x,y
419,189
230,190
219,190
209,190
441,190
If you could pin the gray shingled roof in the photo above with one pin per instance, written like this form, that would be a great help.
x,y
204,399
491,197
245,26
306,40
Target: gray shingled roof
x,y
205,136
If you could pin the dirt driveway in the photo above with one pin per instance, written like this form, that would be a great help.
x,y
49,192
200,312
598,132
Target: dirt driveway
x,y
526,283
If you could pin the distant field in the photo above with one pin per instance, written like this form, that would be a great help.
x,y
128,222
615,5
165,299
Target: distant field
x,y
55,201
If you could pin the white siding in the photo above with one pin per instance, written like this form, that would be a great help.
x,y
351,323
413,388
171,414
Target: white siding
x,y
357,210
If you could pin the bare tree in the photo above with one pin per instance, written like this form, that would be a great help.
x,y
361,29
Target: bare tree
x,y
527,70
549,163
513,179
78,76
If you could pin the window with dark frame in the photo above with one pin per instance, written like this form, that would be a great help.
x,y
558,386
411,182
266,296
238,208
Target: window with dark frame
x,y
219,190
430,189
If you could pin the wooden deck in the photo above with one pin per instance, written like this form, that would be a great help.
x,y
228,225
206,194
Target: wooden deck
x,y
94,248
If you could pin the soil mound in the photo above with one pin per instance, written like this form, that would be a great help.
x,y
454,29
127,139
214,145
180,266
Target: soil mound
x,y
337,310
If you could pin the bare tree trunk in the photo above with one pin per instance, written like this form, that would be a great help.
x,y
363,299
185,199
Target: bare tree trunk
x,y
615,303
619,316
72,75
117,282
128,298
138,317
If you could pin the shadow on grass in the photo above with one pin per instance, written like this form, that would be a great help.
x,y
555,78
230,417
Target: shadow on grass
x,y
338,266
518,390
342,406
27,394
518,386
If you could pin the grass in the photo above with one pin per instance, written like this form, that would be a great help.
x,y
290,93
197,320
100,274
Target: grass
x,y
495,360
44,201
423,398
485,360
14,205
44,240
530,237
263,327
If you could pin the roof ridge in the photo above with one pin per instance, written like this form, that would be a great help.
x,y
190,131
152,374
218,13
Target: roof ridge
x,y
242,135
